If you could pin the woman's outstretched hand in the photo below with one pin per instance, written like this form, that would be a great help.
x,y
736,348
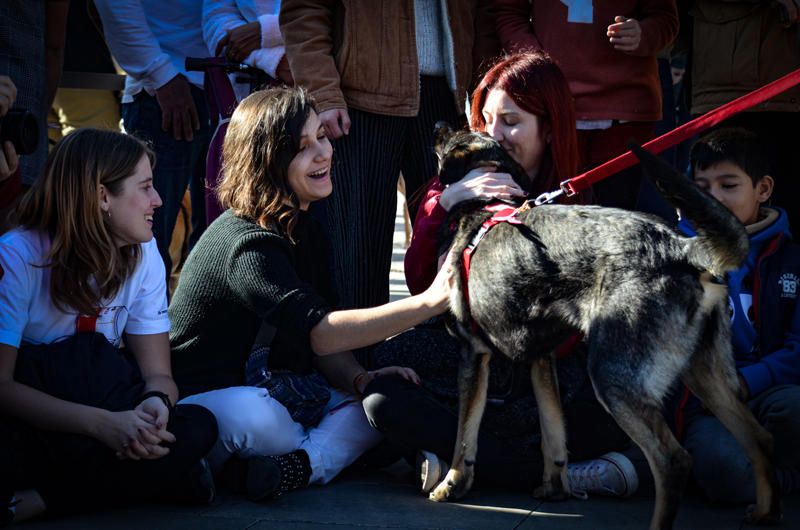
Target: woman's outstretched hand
x,y
482,182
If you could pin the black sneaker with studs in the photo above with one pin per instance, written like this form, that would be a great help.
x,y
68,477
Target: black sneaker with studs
x,y
271,476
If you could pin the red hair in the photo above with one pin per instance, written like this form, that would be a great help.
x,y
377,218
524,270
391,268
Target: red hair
x,y
536,84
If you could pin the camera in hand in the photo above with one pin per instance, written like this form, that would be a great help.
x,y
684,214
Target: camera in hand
x,y
21,128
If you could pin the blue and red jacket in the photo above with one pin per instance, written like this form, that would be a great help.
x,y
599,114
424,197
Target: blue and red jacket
x,y
765,315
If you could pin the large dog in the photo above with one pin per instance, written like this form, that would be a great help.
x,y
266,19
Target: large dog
x,y
648,301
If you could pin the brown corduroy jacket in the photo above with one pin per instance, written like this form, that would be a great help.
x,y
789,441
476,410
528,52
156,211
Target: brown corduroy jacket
x,y
363,54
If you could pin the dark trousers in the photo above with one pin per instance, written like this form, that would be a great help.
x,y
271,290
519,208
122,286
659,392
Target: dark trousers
x,y
720,465
366,165
178,163
75,473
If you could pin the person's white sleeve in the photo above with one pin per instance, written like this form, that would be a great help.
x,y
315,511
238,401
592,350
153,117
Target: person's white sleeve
x,y
270,31
16,290
133,44
148,311
266,59
218,17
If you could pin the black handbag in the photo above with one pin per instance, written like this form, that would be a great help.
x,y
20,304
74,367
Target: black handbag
x,y
305,396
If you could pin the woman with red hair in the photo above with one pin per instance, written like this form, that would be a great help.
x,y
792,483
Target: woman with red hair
x,y
525,104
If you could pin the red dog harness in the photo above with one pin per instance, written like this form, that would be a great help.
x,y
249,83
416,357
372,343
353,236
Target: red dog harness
x,y
503,214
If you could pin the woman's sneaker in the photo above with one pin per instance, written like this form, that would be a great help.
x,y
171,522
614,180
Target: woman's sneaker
x,y
271,476
430,471
612,474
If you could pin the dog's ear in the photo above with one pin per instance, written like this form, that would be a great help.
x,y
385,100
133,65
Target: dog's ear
x,y
441,132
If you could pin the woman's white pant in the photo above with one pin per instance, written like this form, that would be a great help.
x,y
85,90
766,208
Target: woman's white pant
x,y
253,423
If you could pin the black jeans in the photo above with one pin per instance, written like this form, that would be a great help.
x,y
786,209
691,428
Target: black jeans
x,y
75,473
413,419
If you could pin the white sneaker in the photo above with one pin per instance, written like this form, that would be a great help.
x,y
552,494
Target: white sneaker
x,y
612,474
430,470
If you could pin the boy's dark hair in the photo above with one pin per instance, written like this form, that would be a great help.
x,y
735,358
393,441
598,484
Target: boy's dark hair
x,y
736,145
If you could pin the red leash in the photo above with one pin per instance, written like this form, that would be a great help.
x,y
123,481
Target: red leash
x,y
687,130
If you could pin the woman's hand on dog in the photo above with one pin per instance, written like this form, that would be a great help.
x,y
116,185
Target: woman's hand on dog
x,y
438,293
479,183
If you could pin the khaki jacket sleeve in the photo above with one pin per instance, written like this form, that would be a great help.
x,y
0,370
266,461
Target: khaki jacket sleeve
x,y
307,29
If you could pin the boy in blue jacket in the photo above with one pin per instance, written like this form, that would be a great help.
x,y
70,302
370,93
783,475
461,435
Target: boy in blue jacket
x,y
732,165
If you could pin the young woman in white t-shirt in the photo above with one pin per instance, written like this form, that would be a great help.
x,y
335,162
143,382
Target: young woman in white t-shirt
x,y
83,423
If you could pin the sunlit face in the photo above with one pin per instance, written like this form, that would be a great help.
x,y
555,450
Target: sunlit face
x,y
310,169
730,185
518,131
130,213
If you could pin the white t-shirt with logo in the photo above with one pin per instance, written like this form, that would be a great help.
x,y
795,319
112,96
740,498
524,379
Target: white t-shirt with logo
x,y
27,312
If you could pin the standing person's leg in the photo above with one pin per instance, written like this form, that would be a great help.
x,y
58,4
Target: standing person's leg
x,y
197,182
419,163
174,161
361,209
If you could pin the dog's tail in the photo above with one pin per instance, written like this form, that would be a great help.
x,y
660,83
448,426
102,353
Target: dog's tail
x,y
721,244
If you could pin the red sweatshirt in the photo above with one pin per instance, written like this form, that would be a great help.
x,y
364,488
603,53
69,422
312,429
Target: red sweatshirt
x,y
421,261
606,83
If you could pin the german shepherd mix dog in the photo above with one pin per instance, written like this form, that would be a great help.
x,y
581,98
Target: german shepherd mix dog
x,y
648,301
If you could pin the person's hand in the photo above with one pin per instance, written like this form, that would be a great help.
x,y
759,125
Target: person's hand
x,y
336,122
178,113
8,94
480,182
625,34
438,293
406,373
156,409
283,72
240,42
365,378
132,435
9,161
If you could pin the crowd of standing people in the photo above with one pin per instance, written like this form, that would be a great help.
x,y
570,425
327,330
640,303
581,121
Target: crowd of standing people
x,y
278,360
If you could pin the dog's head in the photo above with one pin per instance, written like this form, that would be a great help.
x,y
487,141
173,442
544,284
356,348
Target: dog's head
x,y
464,150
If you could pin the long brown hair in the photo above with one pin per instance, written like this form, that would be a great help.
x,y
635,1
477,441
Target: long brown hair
x,y
537,85
262,139
87,266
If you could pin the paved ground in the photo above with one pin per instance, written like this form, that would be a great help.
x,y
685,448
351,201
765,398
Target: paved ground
x,y
364,499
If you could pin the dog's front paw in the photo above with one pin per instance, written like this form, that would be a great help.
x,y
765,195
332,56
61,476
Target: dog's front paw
x,y
770,518
454,486
552,489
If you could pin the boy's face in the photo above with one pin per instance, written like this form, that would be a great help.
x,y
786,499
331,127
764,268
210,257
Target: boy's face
x,y
730,185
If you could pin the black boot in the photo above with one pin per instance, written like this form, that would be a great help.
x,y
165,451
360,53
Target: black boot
x,y
196,485
271,476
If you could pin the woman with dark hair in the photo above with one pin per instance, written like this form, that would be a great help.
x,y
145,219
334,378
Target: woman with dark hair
x,y
84,423
523,102
255,306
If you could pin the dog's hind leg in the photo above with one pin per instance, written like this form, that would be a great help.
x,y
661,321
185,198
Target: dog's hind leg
x,y
669,462
554,435
712,378
473,379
